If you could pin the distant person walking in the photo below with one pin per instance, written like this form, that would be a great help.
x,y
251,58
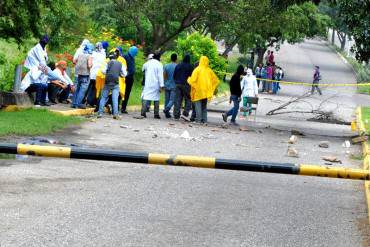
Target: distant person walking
x,y
267,57
169,85
269,74
203,83
182,73
316,80
258,73
235,94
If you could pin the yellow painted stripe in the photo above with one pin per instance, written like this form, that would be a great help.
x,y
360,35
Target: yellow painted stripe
x,y
160,159
75,112
47,151
333,172
367,193
182,160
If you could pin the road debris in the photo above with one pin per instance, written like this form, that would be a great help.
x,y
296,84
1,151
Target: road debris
x,y
332,159
243,129
124,127
324,144
293,139
292,152
346,144
297,133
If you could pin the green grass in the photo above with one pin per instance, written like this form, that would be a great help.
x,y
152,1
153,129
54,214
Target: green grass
x,y
31,122
366,118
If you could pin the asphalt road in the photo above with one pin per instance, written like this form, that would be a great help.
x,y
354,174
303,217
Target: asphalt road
x,y
57,202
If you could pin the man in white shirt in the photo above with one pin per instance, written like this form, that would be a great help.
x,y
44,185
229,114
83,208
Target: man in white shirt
x,y
36,81
154,83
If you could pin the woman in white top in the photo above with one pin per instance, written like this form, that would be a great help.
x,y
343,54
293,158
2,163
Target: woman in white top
x,y
249,89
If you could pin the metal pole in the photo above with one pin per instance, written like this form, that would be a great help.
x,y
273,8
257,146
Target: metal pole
x,y
184,160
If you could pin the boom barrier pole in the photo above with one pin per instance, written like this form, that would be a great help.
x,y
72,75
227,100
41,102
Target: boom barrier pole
x,y
185,160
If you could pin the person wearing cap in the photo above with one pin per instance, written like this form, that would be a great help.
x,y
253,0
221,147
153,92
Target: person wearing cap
x,y
249,88
154,83
113,71
83,66
130,60
59,90
316,80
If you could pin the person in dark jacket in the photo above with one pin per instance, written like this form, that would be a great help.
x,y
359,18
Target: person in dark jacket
x,y
113,70
235,93
182,72
130,60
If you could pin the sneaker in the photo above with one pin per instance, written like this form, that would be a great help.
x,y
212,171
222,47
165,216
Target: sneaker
x,y
81,107
116,117
124,112
186,118
157,117
99,115
37,105
234,123
224,117
143,115
167,114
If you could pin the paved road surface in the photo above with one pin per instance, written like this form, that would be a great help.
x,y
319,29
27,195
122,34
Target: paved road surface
x,y
54,202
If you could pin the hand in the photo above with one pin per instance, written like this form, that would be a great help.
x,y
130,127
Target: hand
x,y
73,89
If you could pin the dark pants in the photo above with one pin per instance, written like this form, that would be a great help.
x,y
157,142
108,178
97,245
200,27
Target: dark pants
x,y
91,94
233,112
145,107
40,89
316,86
182,93
129,82
56,92
201,110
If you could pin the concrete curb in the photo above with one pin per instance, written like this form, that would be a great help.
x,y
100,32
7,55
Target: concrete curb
x,y
366,154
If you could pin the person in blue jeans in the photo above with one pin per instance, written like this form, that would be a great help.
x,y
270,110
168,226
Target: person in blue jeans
x,y
35,81
113,70
83,66
169,85
235,92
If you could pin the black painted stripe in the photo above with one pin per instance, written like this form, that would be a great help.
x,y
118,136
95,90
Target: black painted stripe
x,y
109,155
245,165
8,148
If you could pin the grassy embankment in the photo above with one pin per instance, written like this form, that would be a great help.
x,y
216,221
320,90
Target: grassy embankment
x,y
366,118
32,122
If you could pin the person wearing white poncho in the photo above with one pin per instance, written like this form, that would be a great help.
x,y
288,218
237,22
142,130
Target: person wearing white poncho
x,y
249,89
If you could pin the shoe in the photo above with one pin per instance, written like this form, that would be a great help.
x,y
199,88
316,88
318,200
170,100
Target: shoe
x,y
64,102
167,114
192,119
81,107
124,112
143,115
234,123
157,117
186,118
37,105
224,117
45,104
99,115
116,117
186,114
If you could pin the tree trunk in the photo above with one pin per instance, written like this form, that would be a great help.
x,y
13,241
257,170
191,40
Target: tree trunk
x,y
251,62
342,38
260,54
333,37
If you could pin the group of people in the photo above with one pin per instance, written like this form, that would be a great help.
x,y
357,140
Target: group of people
x,y
269,71
103,77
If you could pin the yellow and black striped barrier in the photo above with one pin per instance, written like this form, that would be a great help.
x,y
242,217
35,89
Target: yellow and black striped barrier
x,y
185,160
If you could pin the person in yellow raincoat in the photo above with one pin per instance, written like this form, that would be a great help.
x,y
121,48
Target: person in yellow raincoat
x,y
203,82
100,77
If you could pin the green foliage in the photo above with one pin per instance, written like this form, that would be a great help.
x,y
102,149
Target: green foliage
x,y
356,16
198,45
28,122
11,55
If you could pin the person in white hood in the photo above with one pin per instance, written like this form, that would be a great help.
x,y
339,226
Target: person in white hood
x,y
249,89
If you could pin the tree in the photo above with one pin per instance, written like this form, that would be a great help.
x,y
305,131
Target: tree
x,y
158,23
356,17
336,22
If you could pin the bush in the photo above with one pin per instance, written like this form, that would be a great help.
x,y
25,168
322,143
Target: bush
x,y
198,45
